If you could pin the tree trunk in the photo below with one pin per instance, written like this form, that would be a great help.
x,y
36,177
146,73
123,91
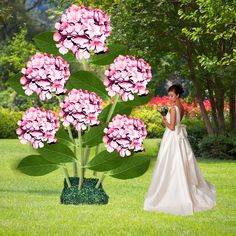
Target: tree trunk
x,y
213,104
198,88
220,92
232,112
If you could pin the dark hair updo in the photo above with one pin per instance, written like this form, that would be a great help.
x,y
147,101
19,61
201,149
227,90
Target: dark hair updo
x,y
177,89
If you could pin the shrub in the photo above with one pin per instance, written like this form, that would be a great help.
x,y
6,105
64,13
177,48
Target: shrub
x,y
8,122
218,147
152,118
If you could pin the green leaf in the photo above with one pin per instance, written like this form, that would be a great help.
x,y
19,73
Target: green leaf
x,y
140,100
57,153
94,136
107,58
45,43
132,167
120,108
105,161
36,165
63,136
87,81
125,107
14,82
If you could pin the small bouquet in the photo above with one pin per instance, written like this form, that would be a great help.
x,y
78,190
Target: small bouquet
x,y
163,110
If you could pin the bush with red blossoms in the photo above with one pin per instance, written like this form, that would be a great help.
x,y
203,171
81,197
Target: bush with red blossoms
x,y
127,76
80,108
44,74
81,30
38,126
125,133
162,101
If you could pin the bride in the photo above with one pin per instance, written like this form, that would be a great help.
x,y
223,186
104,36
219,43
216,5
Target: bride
x,y
177,185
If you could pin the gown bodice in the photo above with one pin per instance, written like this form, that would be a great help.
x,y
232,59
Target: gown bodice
x,y
177,116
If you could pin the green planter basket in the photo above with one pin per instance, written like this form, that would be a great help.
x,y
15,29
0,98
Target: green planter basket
x,y
88,194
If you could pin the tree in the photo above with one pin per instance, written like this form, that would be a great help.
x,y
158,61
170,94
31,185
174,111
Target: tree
x,y
202,33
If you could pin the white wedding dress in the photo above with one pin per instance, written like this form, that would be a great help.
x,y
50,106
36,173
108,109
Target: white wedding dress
x,y
177,185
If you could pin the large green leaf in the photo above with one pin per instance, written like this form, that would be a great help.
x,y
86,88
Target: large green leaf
x,y
36,165
131,167
94,136
14,82
57,153
125,107
107,58
63,136
45,43
87,81
105,161
120,108
140,100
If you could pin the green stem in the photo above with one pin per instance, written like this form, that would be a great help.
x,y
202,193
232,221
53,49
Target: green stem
x,y
70,133
108,118
84,64
87,152
82,160
75,167
100,180
112,108
96,152
67,176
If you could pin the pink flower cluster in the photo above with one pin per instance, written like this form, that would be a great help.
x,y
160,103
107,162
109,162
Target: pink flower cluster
x,y
45,74
127,76
81,30
80,108
37,126
125,133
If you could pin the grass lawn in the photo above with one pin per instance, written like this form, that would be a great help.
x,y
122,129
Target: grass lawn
x,y
30,205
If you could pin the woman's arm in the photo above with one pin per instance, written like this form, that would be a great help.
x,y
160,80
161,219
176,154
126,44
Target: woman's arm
x,y
170,125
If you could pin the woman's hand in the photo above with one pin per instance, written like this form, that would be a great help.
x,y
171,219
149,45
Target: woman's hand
x,y
163,118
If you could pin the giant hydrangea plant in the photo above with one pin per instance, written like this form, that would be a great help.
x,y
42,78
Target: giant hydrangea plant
x,y
80,37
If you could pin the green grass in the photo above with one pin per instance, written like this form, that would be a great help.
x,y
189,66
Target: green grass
x,y
30,205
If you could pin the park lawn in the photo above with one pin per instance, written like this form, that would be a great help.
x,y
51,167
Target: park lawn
x,y
30,205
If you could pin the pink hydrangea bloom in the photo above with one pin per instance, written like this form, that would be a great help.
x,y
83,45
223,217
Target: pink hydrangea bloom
x,y
81,30
45,74
37,126
125,133
127,76
80,108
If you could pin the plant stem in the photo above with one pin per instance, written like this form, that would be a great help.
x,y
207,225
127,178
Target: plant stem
x,y
96,152
112,108
70,133
75,167
82,160
107,120
84,64
67,176
100,180
87,152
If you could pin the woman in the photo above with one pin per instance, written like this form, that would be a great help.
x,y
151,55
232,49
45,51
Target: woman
x,y
177,184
